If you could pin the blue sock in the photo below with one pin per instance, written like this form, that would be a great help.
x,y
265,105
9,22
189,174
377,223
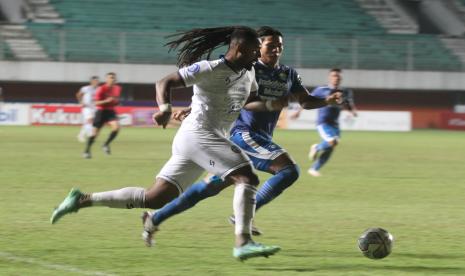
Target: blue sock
x,y
323,146
322,159
274,186
188,199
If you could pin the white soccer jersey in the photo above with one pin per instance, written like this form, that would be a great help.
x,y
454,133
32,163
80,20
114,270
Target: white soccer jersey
x,y
201,143
88,93
219,93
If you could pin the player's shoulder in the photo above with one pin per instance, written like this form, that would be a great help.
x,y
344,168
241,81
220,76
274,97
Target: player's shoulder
x,y
322,87
200,66
320,90
84,88
285,67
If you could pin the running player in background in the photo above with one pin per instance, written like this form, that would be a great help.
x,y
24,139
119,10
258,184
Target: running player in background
x,y
253,131
106,98
328,120
221,88
85,97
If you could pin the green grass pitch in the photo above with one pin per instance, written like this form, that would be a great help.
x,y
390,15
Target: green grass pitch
x,y
412,184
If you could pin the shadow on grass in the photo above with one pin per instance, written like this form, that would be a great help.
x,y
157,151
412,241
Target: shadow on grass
x,y
429,256
357,267
434,269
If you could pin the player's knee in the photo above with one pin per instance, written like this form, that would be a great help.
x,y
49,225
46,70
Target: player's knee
x,y
215,185
333,143
252,179
248,178
293,172
243,175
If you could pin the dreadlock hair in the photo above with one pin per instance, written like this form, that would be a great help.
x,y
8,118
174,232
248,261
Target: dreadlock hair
x,y
268,31
197,43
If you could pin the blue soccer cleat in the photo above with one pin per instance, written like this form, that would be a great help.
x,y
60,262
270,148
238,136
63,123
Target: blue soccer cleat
x,y
252,250
69,205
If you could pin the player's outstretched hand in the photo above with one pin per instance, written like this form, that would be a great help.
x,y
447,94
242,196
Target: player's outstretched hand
x,y
161,118
180,115
334,99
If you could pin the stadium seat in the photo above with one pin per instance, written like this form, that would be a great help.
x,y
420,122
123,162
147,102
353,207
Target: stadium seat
x,y
318,34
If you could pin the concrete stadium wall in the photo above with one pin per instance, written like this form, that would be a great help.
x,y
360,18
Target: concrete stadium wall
x,y
148,74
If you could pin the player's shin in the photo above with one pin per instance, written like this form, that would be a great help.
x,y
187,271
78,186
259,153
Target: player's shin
x,y
244,210
324,157
274,186
126,198
110,138
197,192
90,141
88,128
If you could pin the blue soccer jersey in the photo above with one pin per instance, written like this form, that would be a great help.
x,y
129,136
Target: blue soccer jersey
x,y
330,114
273,83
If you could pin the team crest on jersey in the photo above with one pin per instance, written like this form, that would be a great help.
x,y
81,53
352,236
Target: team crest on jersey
x,y
235,107
283,76
194,68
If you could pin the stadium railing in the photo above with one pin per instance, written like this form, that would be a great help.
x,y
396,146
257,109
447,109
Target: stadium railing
x,y
372,52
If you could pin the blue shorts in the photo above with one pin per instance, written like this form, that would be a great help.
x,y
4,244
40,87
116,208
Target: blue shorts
x,y
328,132
260,149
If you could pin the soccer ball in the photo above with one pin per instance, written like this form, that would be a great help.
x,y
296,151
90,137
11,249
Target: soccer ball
x,y
375,243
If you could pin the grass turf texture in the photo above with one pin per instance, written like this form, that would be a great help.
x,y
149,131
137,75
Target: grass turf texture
x,y
412,184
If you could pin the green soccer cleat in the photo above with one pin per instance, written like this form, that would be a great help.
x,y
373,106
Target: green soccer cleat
x,y
252,249
255,230
69,205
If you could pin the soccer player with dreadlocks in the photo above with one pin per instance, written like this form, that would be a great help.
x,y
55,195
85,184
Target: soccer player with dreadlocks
x,y
253,132
221,89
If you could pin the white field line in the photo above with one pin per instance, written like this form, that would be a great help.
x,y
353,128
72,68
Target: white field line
x,y
10,257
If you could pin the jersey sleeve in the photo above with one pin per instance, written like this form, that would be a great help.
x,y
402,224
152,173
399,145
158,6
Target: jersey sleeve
x,y
318,92
296,80
195,73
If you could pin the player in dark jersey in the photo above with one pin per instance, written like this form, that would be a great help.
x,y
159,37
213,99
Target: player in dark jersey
x,y
328,120
253,131
106,98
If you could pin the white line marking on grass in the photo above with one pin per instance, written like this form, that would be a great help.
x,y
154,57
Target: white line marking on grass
x,y
13,258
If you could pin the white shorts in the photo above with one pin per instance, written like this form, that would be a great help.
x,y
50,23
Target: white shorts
x,y
87,113
197,151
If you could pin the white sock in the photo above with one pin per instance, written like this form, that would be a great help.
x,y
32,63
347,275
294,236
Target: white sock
x,y
88,129
244,207
82,132
130,197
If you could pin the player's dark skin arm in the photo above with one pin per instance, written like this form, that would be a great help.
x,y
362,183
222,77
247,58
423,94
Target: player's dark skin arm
x,y
254,103
163,96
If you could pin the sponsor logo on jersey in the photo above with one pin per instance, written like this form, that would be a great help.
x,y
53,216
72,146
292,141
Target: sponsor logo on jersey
x,y
272,88
283,76
273,84
235,149
235,107
194,68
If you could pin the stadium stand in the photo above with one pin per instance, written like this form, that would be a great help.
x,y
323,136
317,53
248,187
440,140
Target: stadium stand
x,y
5,51
319,34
